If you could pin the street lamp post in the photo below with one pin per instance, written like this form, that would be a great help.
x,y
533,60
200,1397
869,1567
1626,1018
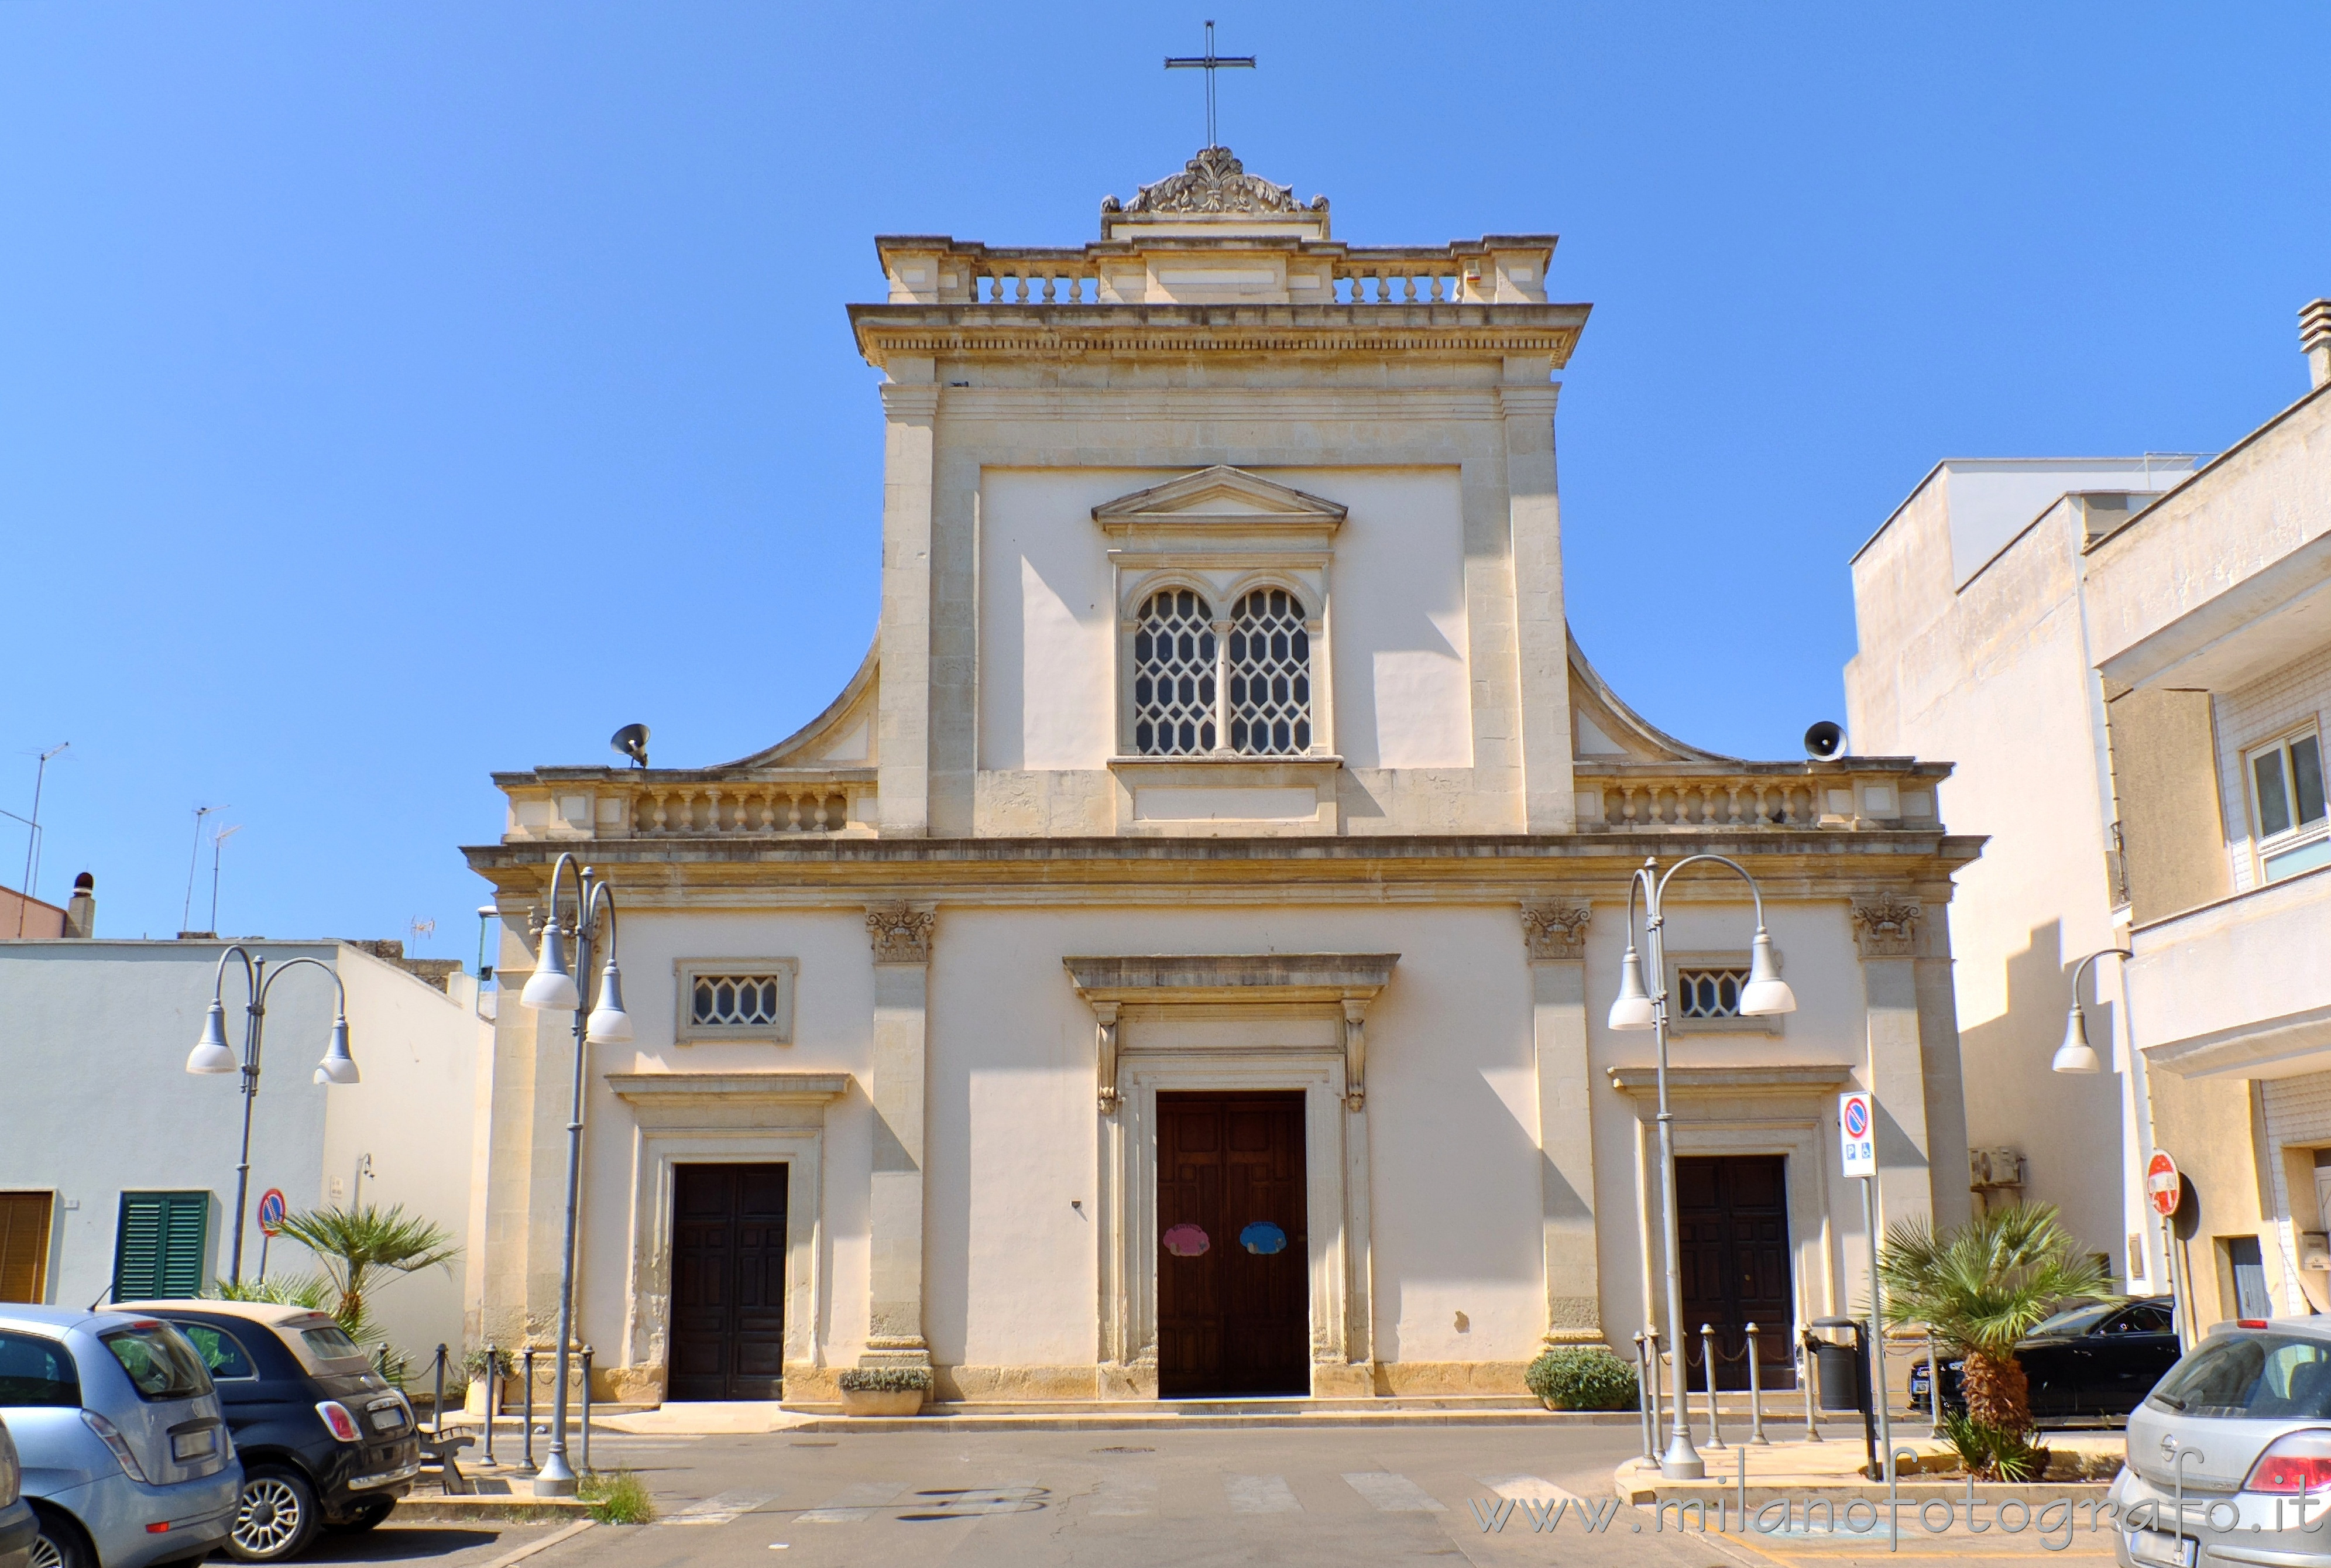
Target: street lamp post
x,y
551,989
1638,1007
211,1054
2076,1054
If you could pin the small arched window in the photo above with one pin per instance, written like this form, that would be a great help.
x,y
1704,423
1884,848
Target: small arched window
x,y
1174,653
1270,675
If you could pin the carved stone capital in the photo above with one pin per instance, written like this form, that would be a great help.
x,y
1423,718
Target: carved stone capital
x,y
901,933
1887,926
1555,930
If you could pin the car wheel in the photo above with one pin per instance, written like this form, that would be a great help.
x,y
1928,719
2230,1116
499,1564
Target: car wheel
x,y
364,1517
59,1545
276,1517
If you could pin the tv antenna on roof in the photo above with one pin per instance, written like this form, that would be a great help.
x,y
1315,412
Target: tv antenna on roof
x,y
33,835
194,863
632,740
217,840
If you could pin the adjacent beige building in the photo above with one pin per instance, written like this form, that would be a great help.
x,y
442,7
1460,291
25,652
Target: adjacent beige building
x,y
2132,682
1177,963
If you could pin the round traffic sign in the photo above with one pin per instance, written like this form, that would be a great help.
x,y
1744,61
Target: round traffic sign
x,y
2164,1187
1857,1116
270,1210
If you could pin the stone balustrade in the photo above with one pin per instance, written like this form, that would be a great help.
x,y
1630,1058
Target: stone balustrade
x,y
1704,797
647,804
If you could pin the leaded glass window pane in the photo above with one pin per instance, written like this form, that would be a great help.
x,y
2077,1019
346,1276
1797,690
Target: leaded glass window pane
x,y
1174,653
1709,993
1270,675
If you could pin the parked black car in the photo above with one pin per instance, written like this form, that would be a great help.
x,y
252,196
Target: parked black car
x,y
326,1442
2087,1363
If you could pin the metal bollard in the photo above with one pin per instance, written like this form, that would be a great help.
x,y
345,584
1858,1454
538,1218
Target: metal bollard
x,y
437,1403
1755,1392
527,1464
1643,1398
1934,1386
493,1398
586,1410
1658,1392
1806,1368
1707,1381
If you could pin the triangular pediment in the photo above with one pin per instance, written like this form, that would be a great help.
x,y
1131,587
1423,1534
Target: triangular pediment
x,y
1230,495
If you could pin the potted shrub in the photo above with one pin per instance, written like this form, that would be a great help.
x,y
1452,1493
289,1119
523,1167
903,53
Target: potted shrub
x,y
487,1380
1586,1377
884,1391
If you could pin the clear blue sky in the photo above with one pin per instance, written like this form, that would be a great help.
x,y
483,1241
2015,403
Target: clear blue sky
x,y
392,393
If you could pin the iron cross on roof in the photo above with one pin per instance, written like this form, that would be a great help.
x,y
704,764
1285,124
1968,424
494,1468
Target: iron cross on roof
x,y
1209,62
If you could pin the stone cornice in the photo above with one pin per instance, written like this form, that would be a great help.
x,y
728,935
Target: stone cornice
x,y
1284,977
1642,1083
696,1089
1133,332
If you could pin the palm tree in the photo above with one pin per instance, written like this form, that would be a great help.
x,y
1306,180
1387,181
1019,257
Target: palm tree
x,y
355,1245
1981,1287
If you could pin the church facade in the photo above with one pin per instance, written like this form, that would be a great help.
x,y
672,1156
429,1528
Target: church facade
x,y
1177,963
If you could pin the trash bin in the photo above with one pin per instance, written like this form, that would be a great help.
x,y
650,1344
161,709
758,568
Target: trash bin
x,y
1841,1371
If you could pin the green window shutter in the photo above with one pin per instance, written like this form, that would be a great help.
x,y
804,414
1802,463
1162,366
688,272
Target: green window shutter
x,y
158,1248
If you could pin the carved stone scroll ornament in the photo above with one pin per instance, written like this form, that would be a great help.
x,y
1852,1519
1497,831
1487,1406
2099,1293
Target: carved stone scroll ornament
x,y
1356,1055
1213,182
901,933
1555,930
1105,1054
1887,926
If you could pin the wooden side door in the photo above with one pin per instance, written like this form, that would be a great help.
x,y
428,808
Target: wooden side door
x,y
727,1282
1732,1222
1233,1275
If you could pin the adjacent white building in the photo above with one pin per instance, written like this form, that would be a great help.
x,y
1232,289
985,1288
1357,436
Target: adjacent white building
x,y
118,1166
2132,680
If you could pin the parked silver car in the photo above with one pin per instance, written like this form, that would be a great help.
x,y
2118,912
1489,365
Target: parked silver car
x,y
126,1458
18,1528
2229,1456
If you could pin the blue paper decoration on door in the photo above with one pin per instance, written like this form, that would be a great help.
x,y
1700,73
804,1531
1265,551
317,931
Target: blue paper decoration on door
x,y
1263,1238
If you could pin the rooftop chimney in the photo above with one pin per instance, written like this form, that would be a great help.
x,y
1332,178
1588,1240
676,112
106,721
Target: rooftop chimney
x,y
2315,340
80,912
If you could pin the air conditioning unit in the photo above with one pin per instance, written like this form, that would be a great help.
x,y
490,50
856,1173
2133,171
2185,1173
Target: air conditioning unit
x,y
1989,1169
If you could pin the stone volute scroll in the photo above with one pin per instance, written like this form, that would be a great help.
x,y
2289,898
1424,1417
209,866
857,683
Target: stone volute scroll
x,y
1213,184
1887,926
1556,931
901,933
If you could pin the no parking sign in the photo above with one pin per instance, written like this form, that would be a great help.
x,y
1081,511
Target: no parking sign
x,y
1857,1135
271,1212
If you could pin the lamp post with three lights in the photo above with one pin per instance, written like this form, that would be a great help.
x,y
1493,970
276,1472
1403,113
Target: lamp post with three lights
x,y
1638,1007
552,989
211,1054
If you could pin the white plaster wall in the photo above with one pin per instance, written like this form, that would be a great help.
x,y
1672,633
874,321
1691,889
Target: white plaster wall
x,y
1994,500
415,1114
1048,620
1814,944
833,1008
1994,677
1452,1102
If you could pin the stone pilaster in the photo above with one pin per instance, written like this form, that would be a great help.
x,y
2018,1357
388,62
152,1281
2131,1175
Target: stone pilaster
x,y
901,935
910,402
1555,937
1541,635
1886,930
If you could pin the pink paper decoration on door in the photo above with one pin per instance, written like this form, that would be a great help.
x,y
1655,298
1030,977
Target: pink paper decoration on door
x,y
1186,1240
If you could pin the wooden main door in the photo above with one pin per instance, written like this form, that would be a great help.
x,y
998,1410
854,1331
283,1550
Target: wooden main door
x,y
1233,1268
1732,1219
727,1282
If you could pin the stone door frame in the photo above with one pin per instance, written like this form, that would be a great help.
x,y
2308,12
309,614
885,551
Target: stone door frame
x,y
726,1118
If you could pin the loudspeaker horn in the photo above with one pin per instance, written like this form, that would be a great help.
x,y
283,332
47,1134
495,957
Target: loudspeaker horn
x,y
632,740
1824,740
